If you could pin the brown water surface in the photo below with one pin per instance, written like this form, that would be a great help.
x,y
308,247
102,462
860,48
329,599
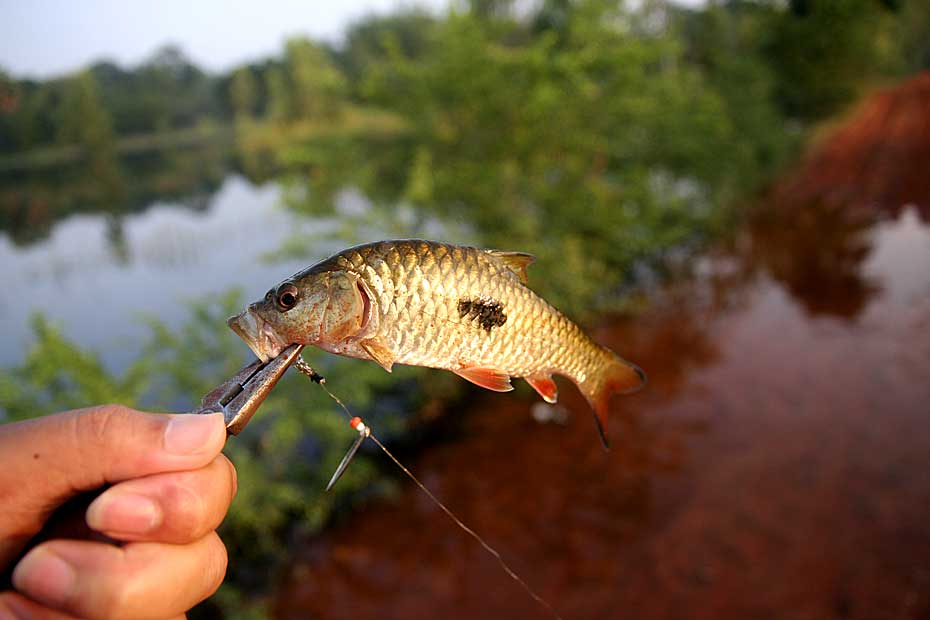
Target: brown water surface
x,y
777,466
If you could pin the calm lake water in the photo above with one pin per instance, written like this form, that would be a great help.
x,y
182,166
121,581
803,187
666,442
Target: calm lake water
x,y
777,466
96,283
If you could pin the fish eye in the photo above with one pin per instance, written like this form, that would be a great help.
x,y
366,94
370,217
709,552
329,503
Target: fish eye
x,y
287,297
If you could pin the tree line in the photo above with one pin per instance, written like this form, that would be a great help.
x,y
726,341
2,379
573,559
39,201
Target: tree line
x,y
814,56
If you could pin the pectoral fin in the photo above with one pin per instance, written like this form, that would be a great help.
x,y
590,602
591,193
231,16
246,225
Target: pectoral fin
x,y
379,352
545,386
488,378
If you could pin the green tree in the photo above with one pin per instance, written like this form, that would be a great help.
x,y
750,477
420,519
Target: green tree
x,y
165,92
912,34
594,148
10,103
825,51
84,122
243,93
490,9
280,106
727,42
30,114
318,89
369,39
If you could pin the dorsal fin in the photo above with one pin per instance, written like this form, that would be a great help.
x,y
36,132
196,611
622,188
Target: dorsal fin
x,y
516,262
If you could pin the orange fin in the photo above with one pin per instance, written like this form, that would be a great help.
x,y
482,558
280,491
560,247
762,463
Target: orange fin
x,y
544,386
488,378
516,262
378,352
619,377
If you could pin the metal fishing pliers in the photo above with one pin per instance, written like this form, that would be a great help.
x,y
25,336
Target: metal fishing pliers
x,y
239,397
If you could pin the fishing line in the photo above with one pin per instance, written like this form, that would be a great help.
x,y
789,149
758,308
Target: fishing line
x,y
306,369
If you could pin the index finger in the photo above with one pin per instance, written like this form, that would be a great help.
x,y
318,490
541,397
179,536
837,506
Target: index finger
x,y
86,448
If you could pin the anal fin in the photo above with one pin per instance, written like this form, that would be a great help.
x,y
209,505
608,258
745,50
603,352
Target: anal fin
x,y
488,378
378,352
544,386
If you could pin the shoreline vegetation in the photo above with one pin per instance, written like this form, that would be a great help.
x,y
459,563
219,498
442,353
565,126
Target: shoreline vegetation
x,y
52,156
247,135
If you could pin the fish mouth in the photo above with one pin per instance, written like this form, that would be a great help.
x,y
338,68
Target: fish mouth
x,y
258,334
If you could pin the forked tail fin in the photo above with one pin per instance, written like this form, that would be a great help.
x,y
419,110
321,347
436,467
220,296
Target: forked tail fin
x,y
611,374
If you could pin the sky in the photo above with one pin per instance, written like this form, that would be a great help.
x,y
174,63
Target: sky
x,y
47,38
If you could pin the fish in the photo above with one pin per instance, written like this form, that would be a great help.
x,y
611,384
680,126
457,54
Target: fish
x,y
426,303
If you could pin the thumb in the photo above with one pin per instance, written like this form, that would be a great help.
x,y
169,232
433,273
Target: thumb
x,y
45,461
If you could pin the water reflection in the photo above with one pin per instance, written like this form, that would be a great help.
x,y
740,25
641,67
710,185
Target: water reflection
x,y
97,274
776,467
817,253
34,200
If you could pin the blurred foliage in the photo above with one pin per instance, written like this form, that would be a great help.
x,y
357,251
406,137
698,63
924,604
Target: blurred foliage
x,y
596,146
58,375
316,89
243,93
823,51
367,40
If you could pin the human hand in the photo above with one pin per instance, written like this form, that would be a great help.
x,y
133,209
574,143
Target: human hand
x,y
171,488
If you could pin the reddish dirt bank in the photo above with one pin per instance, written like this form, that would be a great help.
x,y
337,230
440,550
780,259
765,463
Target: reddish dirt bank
x,y
778,465
878,157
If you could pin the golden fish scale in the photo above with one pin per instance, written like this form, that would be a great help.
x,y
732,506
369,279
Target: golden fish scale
x,y
418,286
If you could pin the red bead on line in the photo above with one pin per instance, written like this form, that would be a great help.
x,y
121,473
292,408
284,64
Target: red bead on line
x,y
355,422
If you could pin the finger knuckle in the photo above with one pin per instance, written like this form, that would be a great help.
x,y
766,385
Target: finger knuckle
x,y
186,513
93,427
116,601
91,432
14,605
217,563
233,476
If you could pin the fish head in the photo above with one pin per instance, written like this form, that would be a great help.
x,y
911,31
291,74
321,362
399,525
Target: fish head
x,y
317,308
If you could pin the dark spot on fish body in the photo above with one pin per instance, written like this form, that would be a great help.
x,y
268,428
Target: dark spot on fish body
x,y
488,313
